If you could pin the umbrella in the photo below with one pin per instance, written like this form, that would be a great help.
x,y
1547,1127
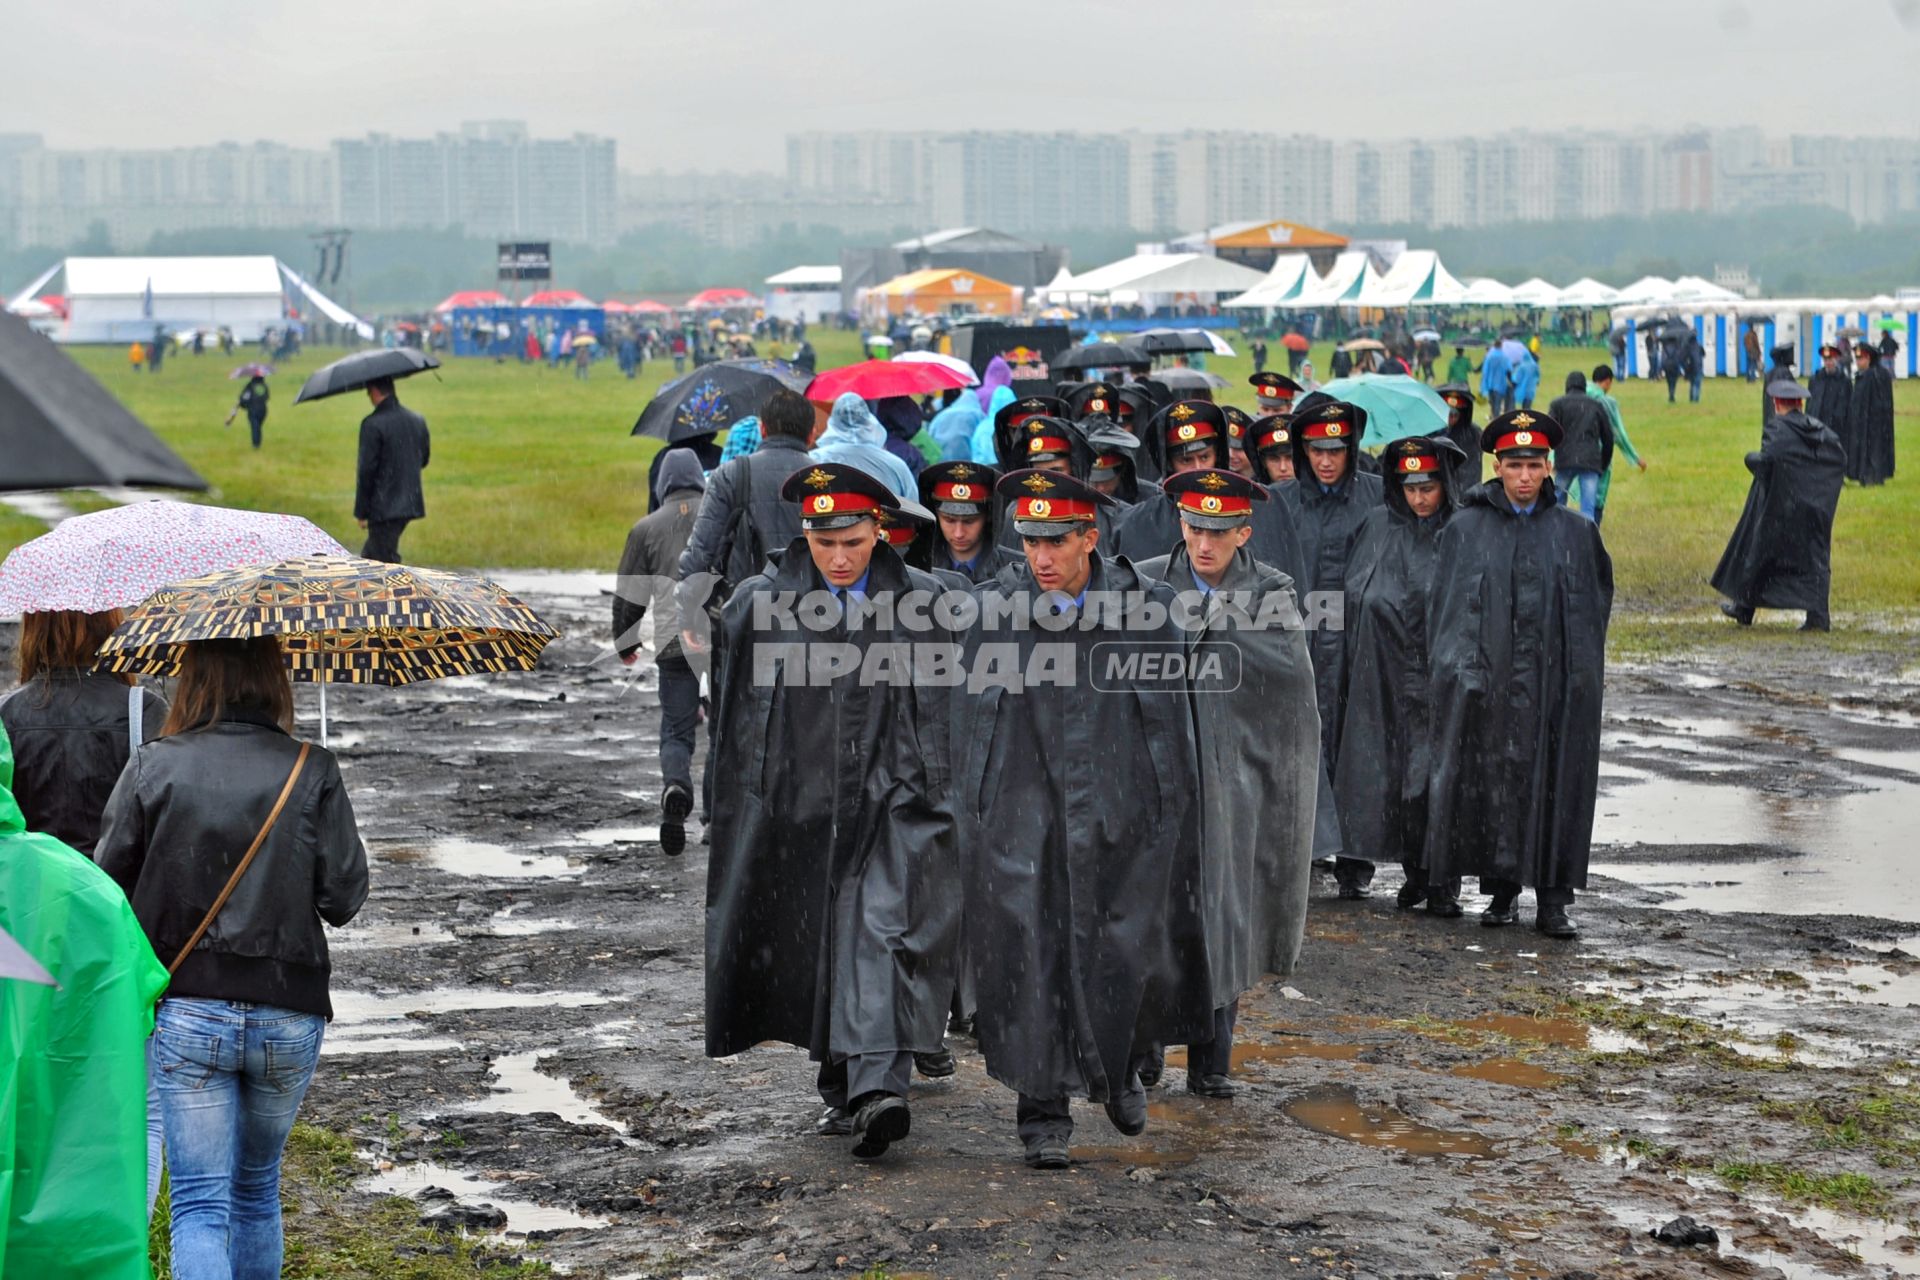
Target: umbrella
x,y
1190,380
1890,323
1397,406
251,371
15,963
340,620
879,340
715,396
60,429
955,363
116,558
1296,342
1426,335
1104,355
879,379
1363,344
647,306
1676,329
1176,341
1851,333
720,298
559,298
585,340
471,298
1058,313
351,373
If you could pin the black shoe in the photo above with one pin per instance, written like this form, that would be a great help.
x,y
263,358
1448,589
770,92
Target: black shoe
x,y
1738,613
1555,923
1500,911
959,1026
881,1121
1128,1108
1323,864
1817,622
1410,896
677,802
937,1065
1152,1067
834,1122
1444,905
1049,1152
1214,1086
1353,891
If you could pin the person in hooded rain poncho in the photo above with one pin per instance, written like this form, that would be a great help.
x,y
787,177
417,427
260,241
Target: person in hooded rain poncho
x,y
962,538
1328,501
901,417
1189,435
1870,418
985,446
1828,391
1073,799
832,902
1464,434
1259,744
73,1062
855,437
952,428
1385,715
1517,638
1780,555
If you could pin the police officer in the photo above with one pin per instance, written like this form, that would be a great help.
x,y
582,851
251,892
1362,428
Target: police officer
x,y
1273,448
963,537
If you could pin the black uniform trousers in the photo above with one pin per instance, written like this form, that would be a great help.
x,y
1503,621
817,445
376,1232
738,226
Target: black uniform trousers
x,y
383,540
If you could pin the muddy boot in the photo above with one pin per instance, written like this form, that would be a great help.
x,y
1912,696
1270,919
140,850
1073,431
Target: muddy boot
x,y
1410,896
1150,1065
1501,911
834,1122
937,1065
676,803
1739,613
1127,1109
1046,1131
1817,622
881,1120
1444,903
1049,1151
1556,923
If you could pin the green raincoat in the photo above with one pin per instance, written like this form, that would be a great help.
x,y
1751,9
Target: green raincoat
x,y
73,1074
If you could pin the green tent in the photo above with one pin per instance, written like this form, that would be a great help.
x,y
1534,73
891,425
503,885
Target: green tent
x,y
73,1072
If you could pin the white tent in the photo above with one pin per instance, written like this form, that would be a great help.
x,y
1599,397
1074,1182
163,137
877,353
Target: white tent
x,y
1586,292
1535,293
325,305
1485,291
1349,273
1290,273
809,293
1416,277
1162,274
1696,289
121,299
1647,289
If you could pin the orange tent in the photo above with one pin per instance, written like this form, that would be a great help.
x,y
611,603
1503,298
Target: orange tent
x,y
945,289
1278,234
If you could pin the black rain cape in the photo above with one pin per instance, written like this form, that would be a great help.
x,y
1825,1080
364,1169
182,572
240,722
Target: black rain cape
x,y
1259,747
832,901
930,550
1870,426
1780,555
1075,809
1517,630
1827,395
1385,732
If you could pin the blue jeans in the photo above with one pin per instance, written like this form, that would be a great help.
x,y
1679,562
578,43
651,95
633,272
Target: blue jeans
x,y
1693,389
1587,482
231,1076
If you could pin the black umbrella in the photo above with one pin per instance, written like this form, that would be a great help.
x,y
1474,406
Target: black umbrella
x,y
351,373
1852,333
60,429
1105,355
1181,381
1676,329
1172,341
715,396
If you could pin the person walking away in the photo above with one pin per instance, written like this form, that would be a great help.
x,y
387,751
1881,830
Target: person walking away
x,y
1517,629
394,450
1870,418
1084,937
156,349
629,353
652,554
1460,368
854,436
73,1060
1780,555
1256,860
1750,350
1526,379
1586,445
239,1032
1617,351
1671,362
1464,461
582,360
253,402
1384,706
1601,389
1259,352
1693,361
1780,371
1496,380
829,925
1341,362
1828,392
679,349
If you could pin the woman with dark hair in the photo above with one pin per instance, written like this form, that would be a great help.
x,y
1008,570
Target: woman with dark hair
x,y
71,726
234,841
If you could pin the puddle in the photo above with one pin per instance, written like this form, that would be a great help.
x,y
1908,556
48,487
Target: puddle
x,y
1857,844
1178,1130
1872,1242
522,1215
1251,1051
367,1023
349,1043
1338,1113
478,858
570,584
520,1088
606,837
1510,1071
505,924
390,934
1762,1012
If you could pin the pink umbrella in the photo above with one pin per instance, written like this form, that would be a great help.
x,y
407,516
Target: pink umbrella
x,y
878,379
960,367
116,558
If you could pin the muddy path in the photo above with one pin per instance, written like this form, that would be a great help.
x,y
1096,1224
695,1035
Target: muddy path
x,y
1733,1037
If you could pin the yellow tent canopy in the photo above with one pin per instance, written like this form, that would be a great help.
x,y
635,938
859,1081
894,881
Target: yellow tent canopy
x,y
1277,234
939,289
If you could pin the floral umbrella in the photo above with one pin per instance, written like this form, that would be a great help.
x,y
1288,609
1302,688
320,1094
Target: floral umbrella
x,y
715,396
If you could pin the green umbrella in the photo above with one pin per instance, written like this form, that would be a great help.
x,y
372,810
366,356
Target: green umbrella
x,y
1889,322
1397,406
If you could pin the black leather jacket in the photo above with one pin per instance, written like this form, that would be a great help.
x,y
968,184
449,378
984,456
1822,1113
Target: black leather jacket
x,y
69,735
181,819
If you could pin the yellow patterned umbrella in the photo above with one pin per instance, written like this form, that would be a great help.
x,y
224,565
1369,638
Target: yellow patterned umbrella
x,y
340,619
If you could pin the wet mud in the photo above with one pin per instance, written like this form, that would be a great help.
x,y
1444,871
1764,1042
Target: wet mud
x,y
1732,1037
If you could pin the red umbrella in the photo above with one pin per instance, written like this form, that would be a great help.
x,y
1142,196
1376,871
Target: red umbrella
x,y
612,308
1295,342
559,298
650,307
472,298
878,379
720,298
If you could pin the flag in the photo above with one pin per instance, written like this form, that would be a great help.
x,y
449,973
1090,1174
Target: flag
x,y
146,300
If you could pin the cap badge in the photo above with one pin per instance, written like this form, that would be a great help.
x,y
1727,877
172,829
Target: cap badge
x,y
1211,481
1096,406
1334,411
1416,463
1181,412
1039,484
1037,444
1336,428
1523,419
1187,431
960,471
961,492
823,503
818,478
1523,437
1210,503
1039,508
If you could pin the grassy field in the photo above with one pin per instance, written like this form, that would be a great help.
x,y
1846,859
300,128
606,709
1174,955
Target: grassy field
x,y
533,468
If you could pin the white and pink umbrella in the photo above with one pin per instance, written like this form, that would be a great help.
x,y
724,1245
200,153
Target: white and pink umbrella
x,y
954,363
116,558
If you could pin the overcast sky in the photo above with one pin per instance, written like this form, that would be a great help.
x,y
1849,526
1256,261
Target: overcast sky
x,y
717,84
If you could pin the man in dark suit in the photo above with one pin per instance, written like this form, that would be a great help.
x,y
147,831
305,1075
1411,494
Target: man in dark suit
x,y
393,452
